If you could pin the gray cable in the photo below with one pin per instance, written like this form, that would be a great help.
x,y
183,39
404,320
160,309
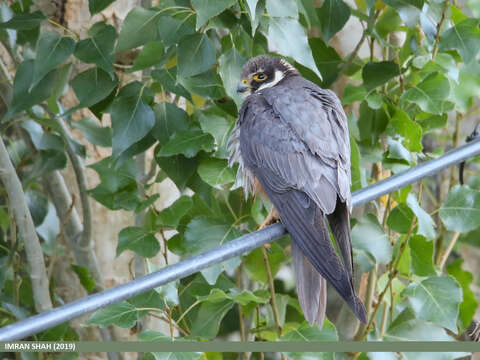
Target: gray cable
x,y
49,319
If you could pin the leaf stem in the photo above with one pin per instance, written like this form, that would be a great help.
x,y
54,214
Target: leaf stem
x,y
393,273
384,320
273,301
372,282
188,310
439,27
73,33
448,250
240,311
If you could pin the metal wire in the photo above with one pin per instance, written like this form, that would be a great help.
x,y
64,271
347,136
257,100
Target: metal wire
x,y
51,318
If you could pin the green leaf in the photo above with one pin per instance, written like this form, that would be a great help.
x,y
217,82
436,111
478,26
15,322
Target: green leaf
x,y
24,21
173,28
333,15
371,123
279,8
430,94
195,55
207,84
62,77
429,121
471,238
177,355
368,235
353,93
408,129
388,22
132,119
416,330
46,161
230,70
327,60
421,252
400,218
122,314
101,136
255,265
139,28
464,37
24,95
209,317
172,215
49,230
52,50
461,210
288,37
37,205
409,10
148,299
465,279
397,151
436,299
115,178
188,143
358,179
312,333
42,140
145,204
375,74
168,79
151,54
247,297
219,125
464,92
139,240
207,9
87,280
215,172
95,6
169,119
204,233
426,226
98,49
92,86
178,168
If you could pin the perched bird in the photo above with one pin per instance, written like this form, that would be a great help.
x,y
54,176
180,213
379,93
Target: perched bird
x,y
291,141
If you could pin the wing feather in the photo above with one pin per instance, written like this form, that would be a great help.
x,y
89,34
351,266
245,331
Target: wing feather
x,y
295,140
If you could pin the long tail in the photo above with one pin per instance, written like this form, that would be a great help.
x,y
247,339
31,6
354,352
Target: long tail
x,y
311,288
305,222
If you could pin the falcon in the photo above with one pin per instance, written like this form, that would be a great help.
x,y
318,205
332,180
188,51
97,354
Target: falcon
x,y
291,142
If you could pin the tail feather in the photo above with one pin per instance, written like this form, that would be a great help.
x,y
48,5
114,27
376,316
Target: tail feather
x,y
311,288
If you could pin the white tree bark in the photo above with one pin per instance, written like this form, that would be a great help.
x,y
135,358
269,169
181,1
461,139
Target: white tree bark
x,y
26,229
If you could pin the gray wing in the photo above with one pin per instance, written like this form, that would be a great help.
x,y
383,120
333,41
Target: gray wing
x,y
301,186
317,118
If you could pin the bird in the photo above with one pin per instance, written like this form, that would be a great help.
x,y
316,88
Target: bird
x,y
291,143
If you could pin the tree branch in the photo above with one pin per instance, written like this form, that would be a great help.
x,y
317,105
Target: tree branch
x,y
61,198
26,228
79,169
273,300
439,27
448,250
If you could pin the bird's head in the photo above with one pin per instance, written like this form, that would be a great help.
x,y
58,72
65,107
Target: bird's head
x,y
263,72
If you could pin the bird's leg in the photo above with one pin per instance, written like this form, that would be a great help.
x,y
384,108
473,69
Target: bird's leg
x,y
270,219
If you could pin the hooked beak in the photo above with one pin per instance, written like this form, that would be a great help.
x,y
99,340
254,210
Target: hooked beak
x,y
242,87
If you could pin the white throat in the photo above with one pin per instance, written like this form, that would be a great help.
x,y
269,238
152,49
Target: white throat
x,y
276,79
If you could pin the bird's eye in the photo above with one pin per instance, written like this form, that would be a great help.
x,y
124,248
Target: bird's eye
x,y
260,77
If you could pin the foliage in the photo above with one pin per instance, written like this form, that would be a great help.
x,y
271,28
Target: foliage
x,y
177,99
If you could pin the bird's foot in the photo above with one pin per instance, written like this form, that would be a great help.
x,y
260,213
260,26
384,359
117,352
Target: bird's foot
x,y
270,219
